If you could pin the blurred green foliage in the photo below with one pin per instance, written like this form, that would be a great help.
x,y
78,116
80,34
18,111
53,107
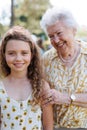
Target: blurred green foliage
x,y
28,13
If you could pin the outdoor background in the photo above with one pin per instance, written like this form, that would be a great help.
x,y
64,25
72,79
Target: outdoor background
x,y
28,13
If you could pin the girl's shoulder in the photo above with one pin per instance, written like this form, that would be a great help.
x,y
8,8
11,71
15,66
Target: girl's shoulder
x,y
1,84
2,90
46,85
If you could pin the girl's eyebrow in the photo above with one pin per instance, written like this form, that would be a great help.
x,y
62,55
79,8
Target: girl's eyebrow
x,y
10,51
15,50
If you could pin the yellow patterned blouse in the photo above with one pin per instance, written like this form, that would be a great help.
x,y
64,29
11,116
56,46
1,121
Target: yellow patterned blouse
x,y
68,80
18,115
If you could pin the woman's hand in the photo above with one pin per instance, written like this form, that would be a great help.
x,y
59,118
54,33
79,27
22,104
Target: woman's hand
x,y
52,96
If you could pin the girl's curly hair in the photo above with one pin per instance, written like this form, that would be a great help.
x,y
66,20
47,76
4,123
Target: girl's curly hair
x,y
34,73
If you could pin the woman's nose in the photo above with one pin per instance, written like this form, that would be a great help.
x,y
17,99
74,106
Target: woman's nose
x,y
56,39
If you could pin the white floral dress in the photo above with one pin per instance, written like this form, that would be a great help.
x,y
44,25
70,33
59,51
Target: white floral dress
x,y
18,115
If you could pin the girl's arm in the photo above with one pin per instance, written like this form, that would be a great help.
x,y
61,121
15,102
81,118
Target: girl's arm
x,y
47,114
0,118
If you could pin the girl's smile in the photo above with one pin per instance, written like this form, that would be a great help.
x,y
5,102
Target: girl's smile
x,y
18,55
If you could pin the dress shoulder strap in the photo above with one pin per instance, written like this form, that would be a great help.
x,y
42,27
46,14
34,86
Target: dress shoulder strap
x,y
1,86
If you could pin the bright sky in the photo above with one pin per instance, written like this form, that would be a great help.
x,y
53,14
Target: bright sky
x,y
5,10
77,7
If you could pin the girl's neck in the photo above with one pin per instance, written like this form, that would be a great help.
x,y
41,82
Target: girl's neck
x,y
18,75
13,77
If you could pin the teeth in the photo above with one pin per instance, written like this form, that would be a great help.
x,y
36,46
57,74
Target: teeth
x,y
18,65
60,44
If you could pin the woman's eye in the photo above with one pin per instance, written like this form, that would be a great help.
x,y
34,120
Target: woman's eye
x,y
59,33
51,37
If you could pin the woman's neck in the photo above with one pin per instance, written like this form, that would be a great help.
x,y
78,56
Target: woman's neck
x,y
67,51
71,55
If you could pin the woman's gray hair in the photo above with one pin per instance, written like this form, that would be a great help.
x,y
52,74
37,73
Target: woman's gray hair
x,y
54,14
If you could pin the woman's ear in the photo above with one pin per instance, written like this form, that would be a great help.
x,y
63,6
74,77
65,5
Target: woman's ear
x,y
74,31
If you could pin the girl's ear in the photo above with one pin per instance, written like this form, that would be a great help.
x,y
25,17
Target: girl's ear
x,y
31,56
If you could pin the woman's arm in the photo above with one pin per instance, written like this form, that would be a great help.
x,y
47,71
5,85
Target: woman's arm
x,y
80,100
53,96
47,114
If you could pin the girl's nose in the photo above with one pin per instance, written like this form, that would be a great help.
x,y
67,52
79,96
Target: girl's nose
x,y
18,57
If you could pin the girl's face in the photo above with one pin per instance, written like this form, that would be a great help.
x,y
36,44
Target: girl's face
x,y
18,55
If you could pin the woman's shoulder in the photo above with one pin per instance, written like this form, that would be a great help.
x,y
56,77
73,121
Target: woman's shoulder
x,y
83,45
50,55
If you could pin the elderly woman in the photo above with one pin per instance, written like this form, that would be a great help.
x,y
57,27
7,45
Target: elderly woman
x,y
65,66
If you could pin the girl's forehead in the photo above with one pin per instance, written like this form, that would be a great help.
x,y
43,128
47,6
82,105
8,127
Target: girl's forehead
x,y
17,45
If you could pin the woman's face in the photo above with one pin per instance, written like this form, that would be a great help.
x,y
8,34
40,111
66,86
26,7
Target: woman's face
x,y
61,36
18,55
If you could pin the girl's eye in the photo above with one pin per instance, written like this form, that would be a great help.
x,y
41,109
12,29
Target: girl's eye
x,y
25,53
11,53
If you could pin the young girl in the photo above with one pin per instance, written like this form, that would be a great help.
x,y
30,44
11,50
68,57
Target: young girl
x,y
22,83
